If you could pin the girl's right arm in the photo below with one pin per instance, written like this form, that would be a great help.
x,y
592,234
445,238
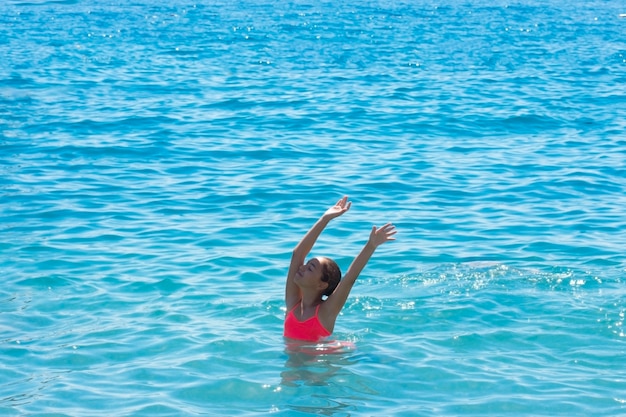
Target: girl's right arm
x,y
302,249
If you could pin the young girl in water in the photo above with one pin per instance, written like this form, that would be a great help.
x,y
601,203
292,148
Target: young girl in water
x,y
310,317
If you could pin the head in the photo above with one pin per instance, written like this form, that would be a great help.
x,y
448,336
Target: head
x,y
319,274
331,274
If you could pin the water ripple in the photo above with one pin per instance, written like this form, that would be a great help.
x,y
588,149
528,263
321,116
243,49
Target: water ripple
x,y
159,161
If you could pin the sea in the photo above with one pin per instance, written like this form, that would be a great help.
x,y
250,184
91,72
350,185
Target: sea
x,y
159,161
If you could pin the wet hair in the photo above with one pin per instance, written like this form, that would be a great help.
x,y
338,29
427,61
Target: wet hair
x,y
330,274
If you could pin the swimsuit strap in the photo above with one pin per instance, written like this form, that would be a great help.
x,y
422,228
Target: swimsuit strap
x,y
317,309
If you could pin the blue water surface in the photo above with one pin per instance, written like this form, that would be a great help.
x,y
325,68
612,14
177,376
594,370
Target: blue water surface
x,y
160,160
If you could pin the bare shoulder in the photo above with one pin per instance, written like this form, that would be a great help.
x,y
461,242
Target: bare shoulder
x,y
327,314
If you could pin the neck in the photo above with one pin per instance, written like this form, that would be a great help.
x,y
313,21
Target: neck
x,y
310,300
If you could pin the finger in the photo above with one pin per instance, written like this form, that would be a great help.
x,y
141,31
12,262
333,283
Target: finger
x,y
348,206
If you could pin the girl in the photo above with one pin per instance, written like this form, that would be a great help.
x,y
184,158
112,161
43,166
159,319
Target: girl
x,y
309,316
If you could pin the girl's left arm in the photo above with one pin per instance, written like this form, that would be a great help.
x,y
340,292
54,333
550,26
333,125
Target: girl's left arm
x,y
337,299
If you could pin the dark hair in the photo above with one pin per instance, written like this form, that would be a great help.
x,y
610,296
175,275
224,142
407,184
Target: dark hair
x,y
331,274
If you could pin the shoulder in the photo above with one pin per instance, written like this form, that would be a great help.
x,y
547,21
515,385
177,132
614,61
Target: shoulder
x,y
326,315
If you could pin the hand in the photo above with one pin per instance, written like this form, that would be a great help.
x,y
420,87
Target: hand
x,y
382,234
338,209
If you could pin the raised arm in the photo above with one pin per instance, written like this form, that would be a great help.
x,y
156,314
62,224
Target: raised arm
x,y
337,299
302,249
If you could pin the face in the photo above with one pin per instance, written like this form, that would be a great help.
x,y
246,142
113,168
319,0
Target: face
x,y
310,274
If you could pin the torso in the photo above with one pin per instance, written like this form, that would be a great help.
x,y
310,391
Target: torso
x,y
309,329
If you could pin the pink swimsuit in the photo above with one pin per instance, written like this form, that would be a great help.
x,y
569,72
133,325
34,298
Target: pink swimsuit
x,y
310,330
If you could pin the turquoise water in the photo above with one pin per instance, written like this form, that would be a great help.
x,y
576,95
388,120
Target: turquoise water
x,y
159,161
